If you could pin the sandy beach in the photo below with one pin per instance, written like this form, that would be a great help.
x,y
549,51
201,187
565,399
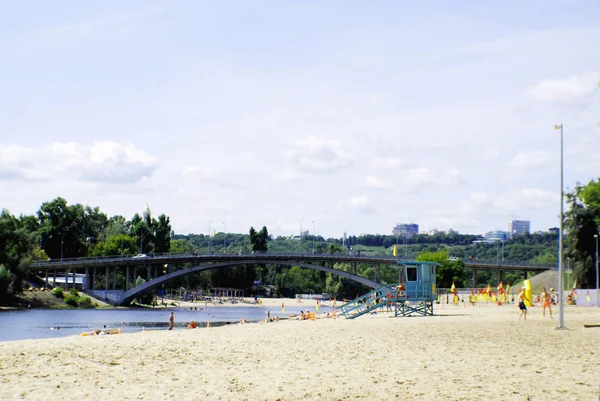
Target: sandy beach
x,y
459,354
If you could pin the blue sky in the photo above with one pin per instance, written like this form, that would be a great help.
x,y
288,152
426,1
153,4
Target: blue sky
x,y
355,115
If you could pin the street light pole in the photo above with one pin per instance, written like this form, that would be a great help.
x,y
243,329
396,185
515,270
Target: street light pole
x,y
224,236
313,235
301,220
497,253
596,237
209,237
561,316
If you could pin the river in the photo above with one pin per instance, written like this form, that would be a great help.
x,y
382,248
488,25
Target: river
x,y
53,323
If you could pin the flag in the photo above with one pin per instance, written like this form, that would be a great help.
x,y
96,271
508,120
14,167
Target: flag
x,y
558,127
489,290
575,284
282,307
500,288
453,288
395,251
317,305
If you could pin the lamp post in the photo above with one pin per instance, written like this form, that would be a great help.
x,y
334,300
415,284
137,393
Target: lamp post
x,y
313,235
209,237
224,236
596,237
561,316
301,220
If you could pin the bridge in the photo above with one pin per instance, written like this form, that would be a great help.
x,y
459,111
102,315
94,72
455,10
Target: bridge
x,y
194,263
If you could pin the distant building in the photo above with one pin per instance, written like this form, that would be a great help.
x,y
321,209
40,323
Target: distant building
x,y
554,230
496,235
406,230
518,227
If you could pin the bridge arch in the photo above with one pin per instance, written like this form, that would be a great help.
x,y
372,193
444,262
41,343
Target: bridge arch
x,y
128,296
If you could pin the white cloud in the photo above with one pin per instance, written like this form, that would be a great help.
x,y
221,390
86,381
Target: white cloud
x,y
360,204
570,89
377,183
318,155
424,176
533,159
102,161
387,163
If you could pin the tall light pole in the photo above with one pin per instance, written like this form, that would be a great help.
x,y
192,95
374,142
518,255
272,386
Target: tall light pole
x,y
502,253
209,237
561,315
313,236
568,272
597,289
301,220
224,237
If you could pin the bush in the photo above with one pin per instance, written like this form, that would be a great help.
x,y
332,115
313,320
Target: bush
x,y
71,300
84,302
58,292
74,292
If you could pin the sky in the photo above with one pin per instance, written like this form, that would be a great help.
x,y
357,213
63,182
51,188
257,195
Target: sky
x,y
331,116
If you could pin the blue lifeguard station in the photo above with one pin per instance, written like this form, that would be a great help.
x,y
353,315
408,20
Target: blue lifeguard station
x,y
414,293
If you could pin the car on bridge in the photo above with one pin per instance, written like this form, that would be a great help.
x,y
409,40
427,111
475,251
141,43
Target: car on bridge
x,y
141,256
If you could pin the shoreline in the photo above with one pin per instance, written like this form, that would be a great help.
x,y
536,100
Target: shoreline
x,y
487,350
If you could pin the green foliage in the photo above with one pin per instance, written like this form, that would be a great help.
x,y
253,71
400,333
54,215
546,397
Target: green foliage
x,y
582,222
84,302
58,292
259,240
71,299
5,284
447,271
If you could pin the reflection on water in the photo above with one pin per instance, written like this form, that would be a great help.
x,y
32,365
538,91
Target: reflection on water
x,y
48,323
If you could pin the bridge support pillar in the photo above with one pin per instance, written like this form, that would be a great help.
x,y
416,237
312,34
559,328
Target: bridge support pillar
x,y
47,272
524,274
74,274
54,281
148,276
66,279
500,276
115,279
106,283
474,278
155,271
94,278
127,278
86,284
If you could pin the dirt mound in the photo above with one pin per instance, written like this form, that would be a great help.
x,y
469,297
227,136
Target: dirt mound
x,y
548,279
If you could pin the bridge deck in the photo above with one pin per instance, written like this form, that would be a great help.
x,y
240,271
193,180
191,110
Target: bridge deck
x,y
150,260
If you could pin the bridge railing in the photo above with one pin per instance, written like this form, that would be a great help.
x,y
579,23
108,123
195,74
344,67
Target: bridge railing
x,y
169,255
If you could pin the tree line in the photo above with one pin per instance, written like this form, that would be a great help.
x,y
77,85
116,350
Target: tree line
x,y
59,230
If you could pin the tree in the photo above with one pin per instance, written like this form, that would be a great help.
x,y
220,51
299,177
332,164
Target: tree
x,y
582,221
259,239
447,271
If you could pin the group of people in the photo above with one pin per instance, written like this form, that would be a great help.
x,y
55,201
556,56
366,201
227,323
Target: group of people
x,y
545,298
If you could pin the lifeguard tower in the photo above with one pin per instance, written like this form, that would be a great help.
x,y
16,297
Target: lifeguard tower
x,y
413,294
415,291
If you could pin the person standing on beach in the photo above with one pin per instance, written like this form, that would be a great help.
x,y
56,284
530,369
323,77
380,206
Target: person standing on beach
x,y
172,321
521,299
546,302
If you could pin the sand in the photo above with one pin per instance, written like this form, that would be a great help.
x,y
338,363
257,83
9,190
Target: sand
x,y
460,354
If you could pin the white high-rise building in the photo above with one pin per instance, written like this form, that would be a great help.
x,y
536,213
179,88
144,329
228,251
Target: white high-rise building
x,y
406,230
518,227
